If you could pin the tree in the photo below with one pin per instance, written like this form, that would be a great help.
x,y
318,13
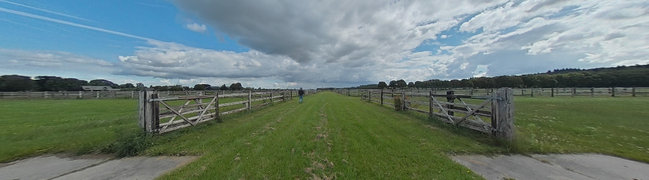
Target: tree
x,y
50,83
140,87
201,87
411,85
236,86
224,87
393,84
16,83
382,85
102,82
401,83
126,86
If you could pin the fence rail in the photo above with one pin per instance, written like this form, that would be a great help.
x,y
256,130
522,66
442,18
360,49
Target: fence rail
x,y
529,92
164,114
115,94
488,113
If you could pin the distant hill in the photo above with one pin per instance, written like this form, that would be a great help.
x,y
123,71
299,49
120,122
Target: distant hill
x,y
620,76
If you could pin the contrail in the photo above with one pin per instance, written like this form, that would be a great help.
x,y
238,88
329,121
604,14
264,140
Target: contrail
x,y
44,10
74,24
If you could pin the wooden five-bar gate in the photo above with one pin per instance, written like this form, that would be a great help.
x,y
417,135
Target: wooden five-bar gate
x,y
165,114
492,114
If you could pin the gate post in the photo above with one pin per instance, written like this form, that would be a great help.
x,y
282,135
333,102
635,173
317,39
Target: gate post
x,y
141,109
450,97
148,111
502,116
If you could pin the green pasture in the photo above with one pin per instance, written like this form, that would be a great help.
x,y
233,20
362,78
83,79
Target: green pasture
x,y
329,135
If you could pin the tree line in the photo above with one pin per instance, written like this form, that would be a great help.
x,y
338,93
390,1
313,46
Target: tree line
x,y
12,83
620,76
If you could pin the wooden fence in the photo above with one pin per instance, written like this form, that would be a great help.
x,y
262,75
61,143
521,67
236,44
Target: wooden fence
x,y
159,114
492,114
112,94
529,92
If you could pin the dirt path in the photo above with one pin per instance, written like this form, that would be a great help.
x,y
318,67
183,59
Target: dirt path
x,y
90,167
554,166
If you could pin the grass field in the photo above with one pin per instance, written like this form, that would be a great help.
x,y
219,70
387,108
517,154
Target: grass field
x,y
616,126
79,126
328,135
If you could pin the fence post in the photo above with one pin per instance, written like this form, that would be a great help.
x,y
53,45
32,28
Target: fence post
x,y
532,92
552,92
612,91
450,97
633,91
271,96
217,113
96,94
249,105
503,114
381,96
80,94
403,101
369,95
592,92
430,104
574,91
283,99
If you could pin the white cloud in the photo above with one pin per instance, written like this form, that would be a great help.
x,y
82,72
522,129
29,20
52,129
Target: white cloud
x,y
345,43
481,71
196,27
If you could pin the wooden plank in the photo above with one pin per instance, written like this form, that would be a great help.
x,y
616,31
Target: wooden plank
x,y
181,98
176,112
472,112
206,108
417,110
234,111
234,95
261,99
233,103
450,118
182,108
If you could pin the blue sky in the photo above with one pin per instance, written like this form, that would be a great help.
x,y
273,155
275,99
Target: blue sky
x,y
288,44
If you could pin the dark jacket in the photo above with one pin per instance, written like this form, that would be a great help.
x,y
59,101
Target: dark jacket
x,y
300,92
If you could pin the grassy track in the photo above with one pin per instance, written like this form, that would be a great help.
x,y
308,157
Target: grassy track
x,y
45,126
328,135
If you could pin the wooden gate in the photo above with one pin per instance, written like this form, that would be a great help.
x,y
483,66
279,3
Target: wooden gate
x,y
165,114
492,114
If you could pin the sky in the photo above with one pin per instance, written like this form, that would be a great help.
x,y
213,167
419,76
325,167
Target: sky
x,y
310,44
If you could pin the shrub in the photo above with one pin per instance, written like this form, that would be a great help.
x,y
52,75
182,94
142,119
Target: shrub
x,y
397,103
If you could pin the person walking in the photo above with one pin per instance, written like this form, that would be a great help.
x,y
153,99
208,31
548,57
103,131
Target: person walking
x,y
301,94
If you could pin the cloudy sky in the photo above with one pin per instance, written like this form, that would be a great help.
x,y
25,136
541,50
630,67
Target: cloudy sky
x,y
295,43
